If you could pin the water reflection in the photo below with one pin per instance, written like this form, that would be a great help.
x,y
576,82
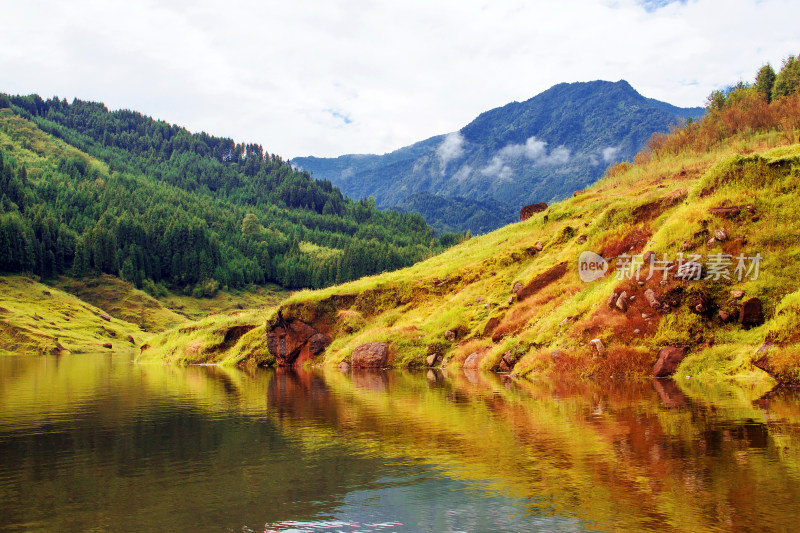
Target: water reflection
x,y
99,443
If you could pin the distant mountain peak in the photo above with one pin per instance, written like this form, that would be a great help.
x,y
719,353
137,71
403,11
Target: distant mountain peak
x,y
541,149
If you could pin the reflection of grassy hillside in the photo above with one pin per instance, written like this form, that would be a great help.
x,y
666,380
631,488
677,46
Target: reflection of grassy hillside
x,y
613,456
622,457
663,203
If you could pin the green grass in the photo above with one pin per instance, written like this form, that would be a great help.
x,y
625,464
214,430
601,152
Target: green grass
x,y
66,316
40,319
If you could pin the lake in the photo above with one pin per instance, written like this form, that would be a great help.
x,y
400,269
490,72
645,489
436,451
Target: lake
x,y
98,443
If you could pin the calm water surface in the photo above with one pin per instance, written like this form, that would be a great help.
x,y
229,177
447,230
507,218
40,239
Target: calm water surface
x,y
95,443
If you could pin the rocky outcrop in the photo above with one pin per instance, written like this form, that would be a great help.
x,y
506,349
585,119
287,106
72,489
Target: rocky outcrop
x,y
295,342
700,303
668,360
507,362
370,355
529,210
751,313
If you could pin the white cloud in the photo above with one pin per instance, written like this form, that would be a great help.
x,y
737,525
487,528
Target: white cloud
x,y
498,169
610,153
533,150
452,147
462,173
558,156
398,72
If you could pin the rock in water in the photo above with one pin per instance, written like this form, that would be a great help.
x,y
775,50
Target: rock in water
x,y
370,355
668,360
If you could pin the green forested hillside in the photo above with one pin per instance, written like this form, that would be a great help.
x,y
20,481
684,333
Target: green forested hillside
x,y
86,190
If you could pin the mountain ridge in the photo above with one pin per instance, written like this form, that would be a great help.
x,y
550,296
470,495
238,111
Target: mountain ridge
x,y
540,149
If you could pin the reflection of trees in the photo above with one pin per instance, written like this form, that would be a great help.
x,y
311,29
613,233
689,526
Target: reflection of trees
x,y
90,443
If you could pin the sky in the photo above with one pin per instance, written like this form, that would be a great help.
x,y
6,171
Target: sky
x,y
332,77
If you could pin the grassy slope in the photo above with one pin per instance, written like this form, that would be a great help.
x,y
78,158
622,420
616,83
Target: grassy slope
x,y
655,205
38,319
65,316
226,336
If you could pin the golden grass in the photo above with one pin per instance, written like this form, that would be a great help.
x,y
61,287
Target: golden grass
x,y
39,319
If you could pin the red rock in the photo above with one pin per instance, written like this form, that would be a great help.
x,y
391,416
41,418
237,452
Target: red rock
x,y
317,343
106,318
612,300
529,210
370,355
751,313
288,340
450,335
107,345
668,360
650,296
